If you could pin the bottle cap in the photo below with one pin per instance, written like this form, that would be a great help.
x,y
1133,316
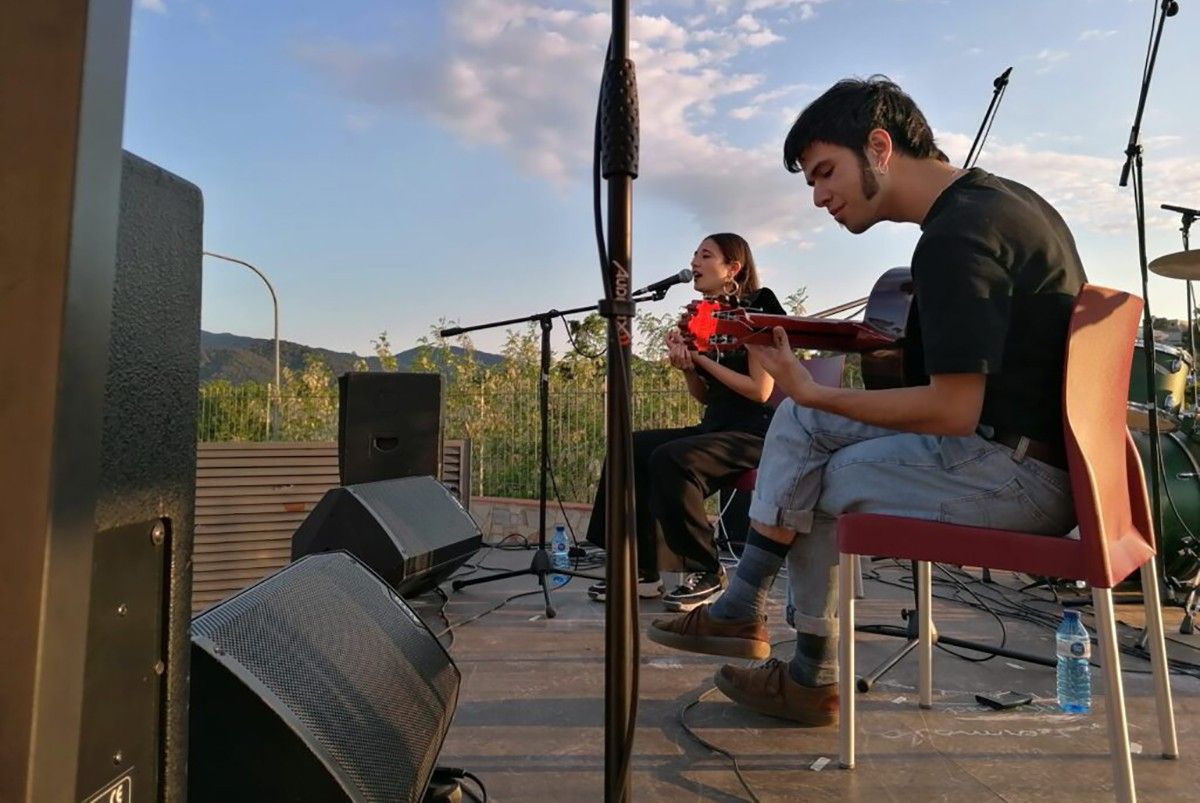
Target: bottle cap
x,y
1071,616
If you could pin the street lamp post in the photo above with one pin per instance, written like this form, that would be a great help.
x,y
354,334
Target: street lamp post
x,y
275,305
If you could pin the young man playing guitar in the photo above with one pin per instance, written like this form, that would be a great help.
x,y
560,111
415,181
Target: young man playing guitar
x,y
996,273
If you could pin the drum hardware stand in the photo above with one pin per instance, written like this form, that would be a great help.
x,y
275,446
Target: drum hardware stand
x,y
541,565
1188,217
1191,605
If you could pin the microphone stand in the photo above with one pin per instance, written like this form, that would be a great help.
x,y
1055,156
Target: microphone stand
x,y
541,565
998,87
1133,161
617,135
1187,626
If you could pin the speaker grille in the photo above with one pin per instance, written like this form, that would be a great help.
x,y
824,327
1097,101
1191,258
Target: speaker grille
x,y
341,652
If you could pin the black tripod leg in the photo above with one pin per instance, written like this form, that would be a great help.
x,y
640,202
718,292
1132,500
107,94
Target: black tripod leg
x,y
545,581
1187,626
542,568
865,682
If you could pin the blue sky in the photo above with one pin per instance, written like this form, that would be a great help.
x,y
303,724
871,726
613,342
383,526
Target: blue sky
x,y
389,164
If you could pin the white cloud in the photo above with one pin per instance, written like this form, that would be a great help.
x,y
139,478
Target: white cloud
x,y
1162,140
1048,58
522,76
804,8
157,6
1095,34
1082,187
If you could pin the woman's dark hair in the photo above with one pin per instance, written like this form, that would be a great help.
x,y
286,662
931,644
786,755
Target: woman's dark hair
x,y
735,249
850,110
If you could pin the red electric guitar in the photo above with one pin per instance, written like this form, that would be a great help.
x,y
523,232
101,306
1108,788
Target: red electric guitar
x,y
719,325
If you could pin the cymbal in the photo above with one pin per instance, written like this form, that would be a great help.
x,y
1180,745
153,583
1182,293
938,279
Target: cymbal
x,y
1180,265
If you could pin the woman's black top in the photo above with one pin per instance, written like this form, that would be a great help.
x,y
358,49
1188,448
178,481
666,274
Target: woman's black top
x,y
725,408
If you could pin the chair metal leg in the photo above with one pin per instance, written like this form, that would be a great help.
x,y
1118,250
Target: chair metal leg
x,y
1110,660
924,582
1156,646
846,658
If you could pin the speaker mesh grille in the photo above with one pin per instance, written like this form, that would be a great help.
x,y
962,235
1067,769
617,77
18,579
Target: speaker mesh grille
x,y
362,673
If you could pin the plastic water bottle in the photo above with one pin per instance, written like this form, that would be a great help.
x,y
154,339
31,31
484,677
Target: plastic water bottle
x,y
559,559
1074,672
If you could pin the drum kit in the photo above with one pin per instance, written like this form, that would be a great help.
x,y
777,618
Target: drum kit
x,y
1173,401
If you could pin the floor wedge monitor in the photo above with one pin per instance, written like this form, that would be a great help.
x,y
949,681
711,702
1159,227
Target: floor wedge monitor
x,y
411,531
317,684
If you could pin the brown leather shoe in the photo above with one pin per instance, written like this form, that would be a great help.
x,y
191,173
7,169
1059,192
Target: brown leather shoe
x,y
696,631
769,689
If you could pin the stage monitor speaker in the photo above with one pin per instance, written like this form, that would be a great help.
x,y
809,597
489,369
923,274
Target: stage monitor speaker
x,y
412,531
389,425
317,684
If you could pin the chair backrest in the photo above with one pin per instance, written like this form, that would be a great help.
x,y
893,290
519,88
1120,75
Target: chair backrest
x,y
825,371
1106,472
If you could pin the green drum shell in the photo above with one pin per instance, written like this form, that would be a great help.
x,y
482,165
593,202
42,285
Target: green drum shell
x,y
1171,370
1179,507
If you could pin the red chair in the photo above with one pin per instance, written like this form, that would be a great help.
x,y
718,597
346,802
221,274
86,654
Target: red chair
x,y
1114,524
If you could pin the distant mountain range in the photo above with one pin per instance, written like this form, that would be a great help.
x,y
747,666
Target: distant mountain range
x,y
239,359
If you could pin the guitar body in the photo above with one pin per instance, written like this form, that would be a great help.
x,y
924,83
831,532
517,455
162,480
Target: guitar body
x,y
719,325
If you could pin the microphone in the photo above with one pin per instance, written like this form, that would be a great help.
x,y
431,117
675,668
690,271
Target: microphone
x,y
661,285
1183,210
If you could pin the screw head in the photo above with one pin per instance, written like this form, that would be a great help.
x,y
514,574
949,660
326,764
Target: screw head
x,y
158,534
122,609
118,757
159,667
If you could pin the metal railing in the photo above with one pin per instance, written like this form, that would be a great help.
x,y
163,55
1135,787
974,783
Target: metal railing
x,y
502,426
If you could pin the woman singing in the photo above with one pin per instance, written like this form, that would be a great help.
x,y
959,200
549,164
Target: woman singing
x,y
675,470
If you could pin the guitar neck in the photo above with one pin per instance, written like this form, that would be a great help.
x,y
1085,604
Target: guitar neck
x,y
816,333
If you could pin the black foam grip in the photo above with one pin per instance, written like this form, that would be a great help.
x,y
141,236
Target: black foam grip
x,y
619,121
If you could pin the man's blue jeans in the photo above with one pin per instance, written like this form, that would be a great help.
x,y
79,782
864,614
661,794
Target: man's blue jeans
x,y
817,465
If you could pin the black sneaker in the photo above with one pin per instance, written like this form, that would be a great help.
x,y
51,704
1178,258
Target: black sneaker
x,y
646,589
697,588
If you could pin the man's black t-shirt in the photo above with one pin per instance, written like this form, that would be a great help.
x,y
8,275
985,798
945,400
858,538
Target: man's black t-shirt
x,y
725,408
996,273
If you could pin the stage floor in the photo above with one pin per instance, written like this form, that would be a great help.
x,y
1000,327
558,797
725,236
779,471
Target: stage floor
x,y
530,716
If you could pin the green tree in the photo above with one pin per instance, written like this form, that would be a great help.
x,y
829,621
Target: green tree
x,y
308,403
796,301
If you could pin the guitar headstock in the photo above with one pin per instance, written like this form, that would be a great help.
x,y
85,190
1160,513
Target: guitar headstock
x,y
701,323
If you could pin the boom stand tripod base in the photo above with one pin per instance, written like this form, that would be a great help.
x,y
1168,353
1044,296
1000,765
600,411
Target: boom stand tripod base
x,y
922,593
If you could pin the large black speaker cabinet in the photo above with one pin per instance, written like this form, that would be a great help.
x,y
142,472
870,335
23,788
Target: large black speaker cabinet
x,y
389,425
412,531
317,684
134,718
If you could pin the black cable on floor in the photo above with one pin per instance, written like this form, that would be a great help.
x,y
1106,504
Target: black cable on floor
x,y
737,769
492,609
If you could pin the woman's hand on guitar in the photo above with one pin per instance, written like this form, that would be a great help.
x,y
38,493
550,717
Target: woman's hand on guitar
x,y
677,351
781,363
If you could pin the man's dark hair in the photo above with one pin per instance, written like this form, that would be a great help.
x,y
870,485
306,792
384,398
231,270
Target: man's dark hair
x,y
850,110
